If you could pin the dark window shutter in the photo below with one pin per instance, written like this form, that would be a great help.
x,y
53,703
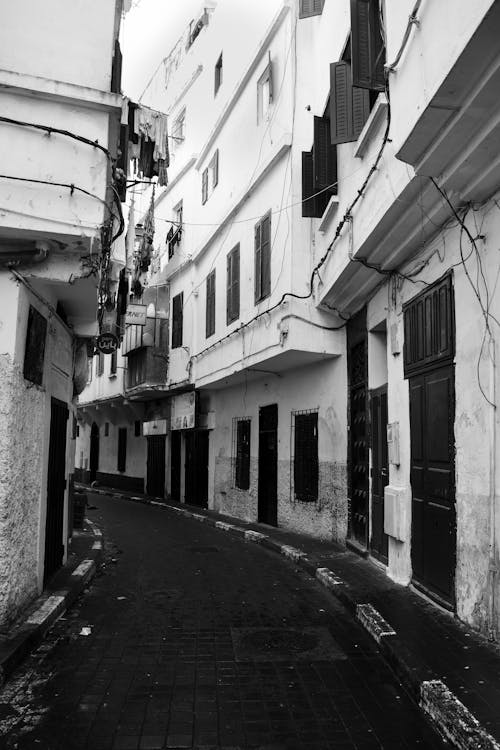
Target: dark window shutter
x,y
349,107
233,285
258,279
324,164
210,307
215,172
177,304
34,353
266,256
310,8
122,449
116,69
367,46
204,186
305,465
308,203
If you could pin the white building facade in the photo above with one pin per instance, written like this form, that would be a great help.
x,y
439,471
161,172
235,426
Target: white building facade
x,y
60,117
332,294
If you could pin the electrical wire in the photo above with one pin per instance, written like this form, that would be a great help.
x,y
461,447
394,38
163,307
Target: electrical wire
x,y
49,130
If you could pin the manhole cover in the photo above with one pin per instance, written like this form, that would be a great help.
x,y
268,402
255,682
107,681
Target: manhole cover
x,y
285,644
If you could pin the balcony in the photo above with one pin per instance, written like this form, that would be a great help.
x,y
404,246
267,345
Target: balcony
x,y
146,373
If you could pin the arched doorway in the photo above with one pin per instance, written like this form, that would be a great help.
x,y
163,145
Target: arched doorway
x,y
94,451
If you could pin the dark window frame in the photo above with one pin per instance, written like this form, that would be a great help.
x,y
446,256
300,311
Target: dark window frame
x,y
210,305
233,285
34,350
137,428
106,429
305,457
262,250
218,74
308,8
177,320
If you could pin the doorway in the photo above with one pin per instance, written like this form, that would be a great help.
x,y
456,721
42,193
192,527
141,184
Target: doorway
x,y
428,360
196,468
155,482
379,473
175,466
94,452
268,465
56,486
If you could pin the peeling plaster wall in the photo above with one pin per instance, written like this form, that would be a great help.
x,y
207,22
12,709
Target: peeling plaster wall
x,y
320,386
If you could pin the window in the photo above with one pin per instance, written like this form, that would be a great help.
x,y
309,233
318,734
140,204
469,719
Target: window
x,y
210,177
90,368
178,133
305,457
137,428
106,429
310,8
174,234
264,93
34,353
263,258
113,363
177,309
195,27
136,367
122,449
233,285
241,452
74,429
210,308
218,74
100,364
319,170
367,45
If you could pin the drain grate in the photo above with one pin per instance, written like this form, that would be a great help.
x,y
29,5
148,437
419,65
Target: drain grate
x,y
285,644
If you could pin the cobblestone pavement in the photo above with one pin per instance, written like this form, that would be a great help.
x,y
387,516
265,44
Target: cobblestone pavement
x,y
192,639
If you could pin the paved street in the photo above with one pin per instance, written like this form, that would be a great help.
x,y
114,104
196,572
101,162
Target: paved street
x,y
190,638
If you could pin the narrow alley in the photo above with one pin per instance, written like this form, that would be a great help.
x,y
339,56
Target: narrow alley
x,y
189,638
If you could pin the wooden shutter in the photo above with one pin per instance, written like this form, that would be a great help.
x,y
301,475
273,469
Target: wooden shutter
x,y
116,69
265,256
34,352
204,186
122,449
305,464
177,304
324,164
349,107
308,203
243,454
310,8
367,46
233,285
215,168
210,306
258,279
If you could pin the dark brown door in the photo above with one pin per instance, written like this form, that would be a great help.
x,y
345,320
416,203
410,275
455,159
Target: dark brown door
x,y
268,465
175,466
94,451
196,468
56,485
156,466
432,479
379,472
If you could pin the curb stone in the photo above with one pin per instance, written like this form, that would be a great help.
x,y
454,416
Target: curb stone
x,y
447,713
45,610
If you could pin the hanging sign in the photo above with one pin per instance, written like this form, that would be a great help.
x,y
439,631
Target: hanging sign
x,y
183,411
136,315
107,343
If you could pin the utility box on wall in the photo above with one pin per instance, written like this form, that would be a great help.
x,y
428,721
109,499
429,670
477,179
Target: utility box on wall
x,y
396,510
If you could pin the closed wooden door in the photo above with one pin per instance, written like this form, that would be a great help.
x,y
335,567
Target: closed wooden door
x,y
155,484
196,468
268,465
94,452
56,485
433,482
379,472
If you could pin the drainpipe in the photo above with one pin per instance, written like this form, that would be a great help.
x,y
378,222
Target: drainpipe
x,y
492,568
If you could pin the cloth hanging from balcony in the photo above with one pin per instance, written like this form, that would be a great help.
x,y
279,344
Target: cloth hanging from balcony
x,y
153,136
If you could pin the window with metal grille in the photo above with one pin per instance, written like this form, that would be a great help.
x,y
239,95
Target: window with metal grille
x,y
34,352
210,305
310,8
177,311
305,455
263,258
233,285
241,452
122,449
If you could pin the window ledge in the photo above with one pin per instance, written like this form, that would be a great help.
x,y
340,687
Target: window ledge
x,y
378,112
112,375
329,213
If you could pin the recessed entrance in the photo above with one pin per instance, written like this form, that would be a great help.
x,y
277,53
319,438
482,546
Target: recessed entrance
x,y
268,465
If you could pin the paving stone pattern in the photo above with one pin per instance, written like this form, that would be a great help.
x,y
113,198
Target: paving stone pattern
x,y
188,649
